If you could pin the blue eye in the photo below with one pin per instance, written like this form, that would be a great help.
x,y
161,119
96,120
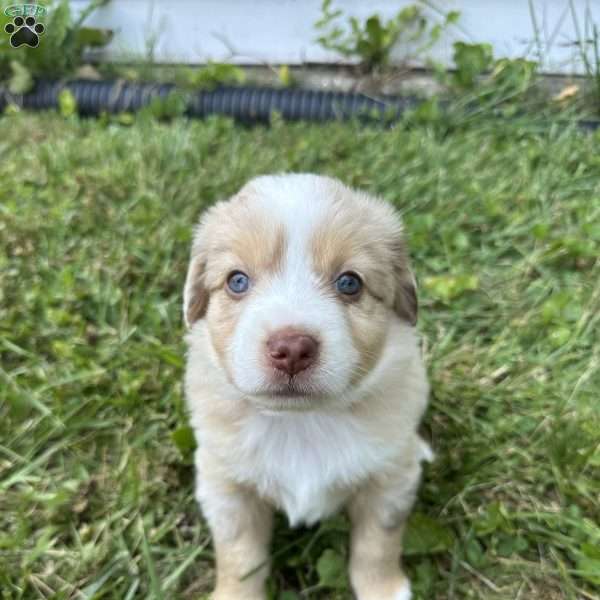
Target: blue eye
x,y
348,284
238,282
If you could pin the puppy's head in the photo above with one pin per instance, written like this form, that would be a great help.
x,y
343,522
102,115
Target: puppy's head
x,y
296,281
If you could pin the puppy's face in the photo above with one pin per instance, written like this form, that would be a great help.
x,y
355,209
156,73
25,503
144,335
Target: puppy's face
x,y
296,279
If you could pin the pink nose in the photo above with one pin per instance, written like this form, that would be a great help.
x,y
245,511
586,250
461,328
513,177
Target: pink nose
x,y
291,351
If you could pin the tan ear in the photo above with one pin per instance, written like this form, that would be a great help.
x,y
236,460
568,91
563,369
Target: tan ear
x,y
406,304
195,296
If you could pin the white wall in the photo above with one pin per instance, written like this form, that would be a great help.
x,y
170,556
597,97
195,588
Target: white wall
x,y
283,32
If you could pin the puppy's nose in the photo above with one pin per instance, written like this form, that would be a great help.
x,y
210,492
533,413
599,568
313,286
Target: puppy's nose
x,y
292,352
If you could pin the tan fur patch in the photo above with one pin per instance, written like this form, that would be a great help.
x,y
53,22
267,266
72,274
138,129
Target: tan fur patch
x,y
222,317
368,328
364,235
238,236
232,235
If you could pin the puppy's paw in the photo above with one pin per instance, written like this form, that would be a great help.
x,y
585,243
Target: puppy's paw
x,y
237,595
397,590
404,592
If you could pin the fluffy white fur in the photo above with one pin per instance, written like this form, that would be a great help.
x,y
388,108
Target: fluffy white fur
x,y
308,462
342,445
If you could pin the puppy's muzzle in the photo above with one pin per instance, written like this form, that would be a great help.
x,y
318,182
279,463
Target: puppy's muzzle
x,y
292,351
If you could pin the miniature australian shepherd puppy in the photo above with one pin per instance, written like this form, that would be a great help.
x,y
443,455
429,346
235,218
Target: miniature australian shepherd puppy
x,y
304,377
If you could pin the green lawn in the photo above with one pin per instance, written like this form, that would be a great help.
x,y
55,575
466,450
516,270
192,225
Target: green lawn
x,y
96,497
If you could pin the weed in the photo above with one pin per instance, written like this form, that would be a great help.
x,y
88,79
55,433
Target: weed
x,y
372,41
588,43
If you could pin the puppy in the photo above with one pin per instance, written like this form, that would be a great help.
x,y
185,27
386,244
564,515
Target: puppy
x,y
304,378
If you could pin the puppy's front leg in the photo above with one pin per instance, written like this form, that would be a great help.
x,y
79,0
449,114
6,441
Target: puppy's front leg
x,y
378,515
241,525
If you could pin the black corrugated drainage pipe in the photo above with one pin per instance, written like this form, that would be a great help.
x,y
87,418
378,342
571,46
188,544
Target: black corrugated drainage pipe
x,y
246,104
249,104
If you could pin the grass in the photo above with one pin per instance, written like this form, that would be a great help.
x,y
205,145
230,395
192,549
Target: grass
x,y
96,497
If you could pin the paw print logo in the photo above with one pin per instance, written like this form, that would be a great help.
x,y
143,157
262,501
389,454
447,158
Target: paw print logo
x,y
24,31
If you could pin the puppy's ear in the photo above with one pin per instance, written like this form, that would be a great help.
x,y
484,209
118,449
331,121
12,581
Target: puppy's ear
x,y
406,304
195,295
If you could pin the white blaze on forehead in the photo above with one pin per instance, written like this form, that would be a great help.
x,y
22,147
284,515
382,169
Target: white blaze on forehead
x,y
293,296
300,203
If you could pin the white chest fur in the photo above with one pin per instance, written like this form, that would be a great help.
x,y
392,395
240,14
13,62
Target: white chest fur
x,y
306,463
